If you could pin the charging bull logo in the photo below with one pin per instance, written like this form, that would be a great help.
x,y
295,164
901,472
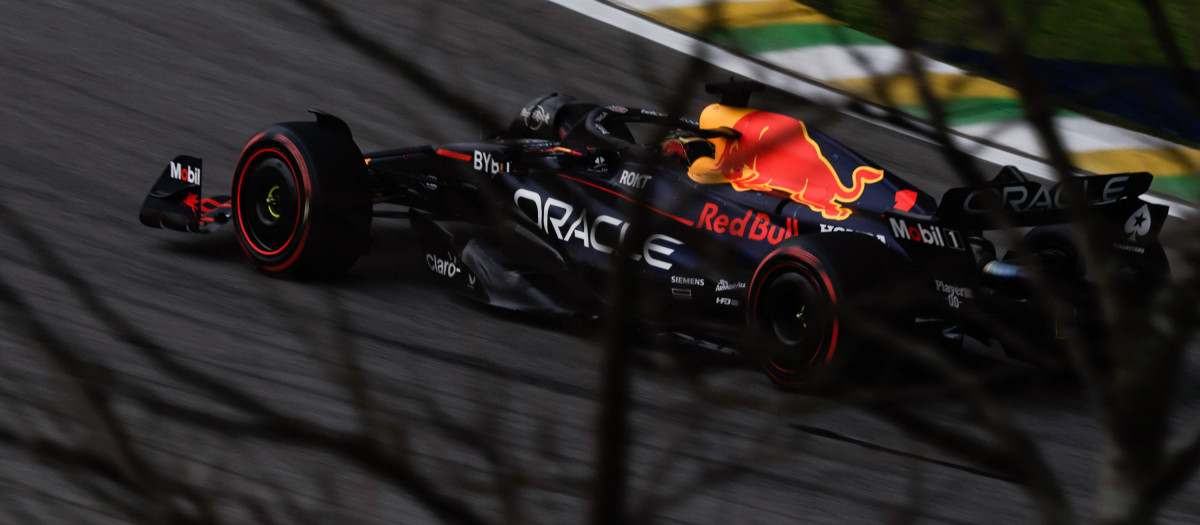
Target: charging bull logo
x,y
776,154
192,201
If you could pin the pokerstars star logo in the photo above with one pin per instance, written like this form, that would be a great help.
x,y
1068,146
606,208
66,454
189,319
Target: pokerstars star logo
x,y
1138,224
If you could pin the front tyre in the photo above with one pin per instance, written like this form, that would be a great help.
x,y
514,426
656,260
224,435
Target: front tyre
x,y
301,201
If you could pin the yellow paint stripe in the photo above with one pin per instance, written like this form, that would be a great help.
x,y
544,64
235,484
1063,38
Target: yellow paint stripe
x,y
739,14
899,90
1172,161
903,89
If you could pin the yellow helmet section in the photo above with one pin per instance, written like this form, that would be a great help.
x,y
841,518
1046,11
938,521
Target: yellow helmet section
x,y
704,169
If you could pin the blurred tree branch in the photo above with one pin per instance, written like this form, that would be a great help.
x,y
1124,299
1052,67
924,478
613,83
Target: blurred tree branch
x,y
1134,400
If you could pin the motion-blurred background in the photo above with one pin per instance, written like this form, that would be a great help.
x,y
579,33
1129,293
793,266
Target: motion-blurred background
x,y
147,377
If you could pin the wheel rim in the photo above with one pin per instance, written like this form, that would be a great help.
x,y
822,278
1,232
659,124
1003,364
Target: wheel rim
x,y
268,203
793,316
272,202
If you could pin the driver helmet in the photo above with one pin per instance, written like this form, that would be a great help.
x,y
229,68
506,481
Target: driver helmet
x,y
684,147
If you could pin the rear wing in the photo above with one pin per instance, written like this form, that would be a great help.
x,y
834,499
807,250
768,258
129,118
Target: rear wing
x,y
1023,202
174,202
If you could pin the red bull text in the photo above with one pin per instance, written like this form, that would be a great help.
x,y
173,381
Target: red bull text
x,y
755,226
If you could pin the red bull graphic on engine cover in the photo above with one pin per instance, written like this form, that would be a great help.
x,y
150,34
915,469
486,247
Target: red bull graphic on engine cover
x,y
776,154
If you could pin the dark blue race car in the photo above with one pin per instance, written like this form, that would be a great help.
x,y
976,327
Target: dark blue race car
x,y
745,228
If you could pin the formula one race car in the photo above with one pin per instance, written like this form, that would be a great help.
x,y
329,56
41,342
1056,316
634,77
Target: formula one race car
x,y
745,229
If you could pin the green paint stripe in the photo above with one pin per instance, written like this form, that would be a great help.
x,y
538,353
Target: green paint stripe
x,y
1182,186
975,110
762,39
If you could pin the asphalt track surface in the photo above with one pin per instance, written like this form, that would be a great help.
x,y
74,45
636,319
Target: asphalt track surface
x,y
98,96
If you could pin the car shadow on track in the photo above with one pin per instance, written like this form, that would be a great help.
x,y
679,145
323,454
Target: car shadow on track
x,y
1001,377
393,256
396,258
219,246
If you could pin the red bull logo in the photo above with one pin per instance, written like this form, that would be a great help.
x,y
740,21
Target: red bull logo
x,y
776,154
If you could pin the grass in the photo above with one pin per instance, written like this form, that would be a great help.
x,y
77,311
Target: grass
x,y
1106,31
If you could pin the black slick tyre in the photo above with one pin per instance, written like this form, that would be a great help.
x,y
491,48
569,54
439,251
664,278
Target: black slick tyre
x,y
301,201
820,304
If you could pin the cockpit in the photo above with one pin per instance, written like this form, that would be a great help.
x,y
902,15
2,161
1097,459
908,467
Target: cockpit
x,y
633,132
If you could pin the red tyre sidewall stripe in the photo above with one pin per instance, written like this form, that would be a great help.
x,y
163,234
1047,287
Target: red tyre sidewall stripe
x,y
301,198
302,217
763,272
237,196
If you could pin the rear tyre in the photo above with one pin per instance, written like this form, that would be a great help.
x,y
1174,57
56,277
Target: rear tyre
x,y
301,200
1058,254
1056,251
819,305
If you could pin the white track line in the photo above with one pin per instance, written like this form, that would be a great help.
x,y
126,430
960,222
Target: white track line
x,y
1079,134
810,89
828,62
650,5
